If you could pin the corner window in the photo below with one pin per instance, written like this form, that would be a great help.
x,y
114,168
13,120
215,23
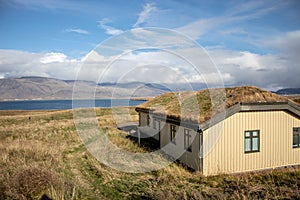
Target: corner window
x,y
251,141
173,130
187,140
296,137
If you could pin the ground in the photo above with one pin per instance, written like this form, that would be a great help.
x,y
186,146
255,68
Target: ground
x,y
41,156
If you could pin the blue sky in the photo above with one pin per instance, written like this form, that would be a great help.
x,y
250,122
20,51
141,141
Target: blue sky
x,y
257,38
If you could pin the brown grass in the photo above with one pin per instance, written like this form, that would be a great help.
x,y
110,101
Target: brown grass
x,y
33,183
45,157
295,98
31,154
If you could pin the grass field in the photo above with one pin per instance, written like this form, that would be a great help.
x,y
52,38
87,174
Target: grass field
x,y
43,157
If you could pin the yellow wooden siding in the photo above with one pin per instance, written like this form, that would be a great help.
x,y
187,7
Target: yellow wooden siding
x,y
227,154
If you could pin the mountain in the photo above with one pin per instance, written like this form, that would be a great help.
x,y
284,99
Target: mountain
x,y
50,88
289,91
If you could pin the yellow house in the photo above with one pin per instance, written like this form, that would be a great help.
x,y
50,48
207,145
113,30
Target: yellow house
x,y
252,129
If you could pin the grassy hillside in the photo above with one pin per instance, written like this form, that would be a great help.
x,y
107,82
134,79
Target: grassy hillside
x,y
44,157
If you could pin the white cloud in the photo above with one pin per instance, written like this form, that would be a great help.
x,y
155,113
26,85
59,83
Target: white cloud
x,y
15,63
77,30
53,58
270,71
246,60
210,79
93,56
148,9
152,66
109,29
235,67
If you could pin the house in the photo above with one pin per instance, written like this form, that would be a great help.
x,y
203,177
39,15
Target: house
x,y
246,129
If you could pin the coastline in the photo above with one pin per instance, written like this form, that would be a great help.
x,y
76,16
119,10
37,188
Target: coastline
x,y
70,99
67,104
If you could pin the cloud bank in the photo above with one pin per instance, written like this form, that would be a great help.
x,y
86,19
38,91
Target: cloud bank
x,y
14,63
270,71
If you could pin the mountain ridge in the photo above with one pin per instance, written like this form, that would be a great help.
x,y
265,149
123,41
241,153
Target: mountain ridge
x,y
47,88
288,91
44,88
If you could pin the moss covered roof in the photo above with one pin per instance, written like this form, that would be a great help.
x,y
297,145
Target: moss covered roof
x,y
199,106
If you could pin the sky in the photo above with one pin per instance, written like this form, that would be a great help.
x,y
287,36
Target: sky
x,y
249,42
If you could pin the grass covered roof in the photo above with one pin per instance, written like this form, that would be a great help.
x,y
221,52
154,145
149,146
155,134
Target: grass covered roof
x,y
199,106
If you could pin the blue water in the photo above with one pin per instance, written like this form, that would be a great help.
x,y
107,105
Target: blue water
x,y
66,104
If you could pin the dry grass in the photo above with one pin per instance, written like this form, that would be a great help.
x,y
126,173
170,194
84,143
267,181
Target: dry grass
x,y
44,157
31,154
34,183
295,98
200,106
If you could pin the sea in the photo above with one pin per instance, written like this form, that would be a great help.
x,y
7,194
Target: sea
x,y
66,104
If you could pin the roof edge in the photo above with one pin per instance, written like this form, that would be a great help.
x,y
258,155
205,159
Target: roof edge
x,y
240,107
248,107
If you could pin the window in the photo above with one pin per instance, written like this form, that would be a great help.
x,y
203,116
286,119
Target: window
x,y
251,141
296,137
148,120
173,131
187,140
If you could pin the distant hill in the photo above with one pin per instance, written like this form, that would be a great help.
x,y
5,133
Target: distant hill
x,y
50,88
289,91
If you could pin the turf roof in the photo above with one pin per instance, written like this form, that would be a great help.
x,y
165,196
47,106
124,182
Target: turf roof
x,y
200,106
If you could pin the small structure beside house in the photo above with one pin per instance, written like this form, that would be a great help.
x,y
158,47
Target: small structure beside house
x,y
249,129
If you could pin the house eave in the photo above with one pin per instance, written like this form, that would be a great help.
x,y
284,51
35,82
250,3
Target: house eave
x,y
140,109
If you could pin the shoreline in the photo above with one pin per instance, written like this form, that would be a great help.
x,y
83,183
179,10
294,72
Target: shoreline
x,y
106,98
